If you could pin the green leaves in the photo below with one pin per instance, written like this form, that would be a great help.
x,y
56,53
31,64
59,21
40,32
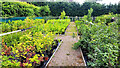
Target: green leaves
x,y
5,58
44,10
29,47
56,26
100,41
62,15
18,9
19,24
89,14
76,45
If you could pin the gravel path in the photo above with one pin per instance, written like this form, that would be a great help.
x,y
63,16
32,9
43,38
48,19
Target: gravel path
x,y
66,56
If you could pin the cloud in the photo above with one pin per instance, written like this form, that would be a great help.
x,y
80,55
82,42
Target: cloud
x,y
109,1
102,2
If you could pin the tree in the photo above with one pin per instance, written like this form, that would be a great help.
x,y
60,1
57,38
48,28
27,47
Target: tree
x,y
89,14
44,10
118,9
18,9
76,9
62,15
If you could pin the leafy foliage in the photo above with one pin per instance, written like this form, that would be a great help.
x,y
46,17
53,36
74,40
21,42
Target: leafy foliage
x,y
19,24
89,14
99,42
56,26
32,47
105,18
19,9
76,9
62,15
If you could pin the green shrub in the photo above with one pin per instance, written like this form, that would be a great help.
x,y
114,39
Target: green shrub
x,y
21,9
100,41
62,15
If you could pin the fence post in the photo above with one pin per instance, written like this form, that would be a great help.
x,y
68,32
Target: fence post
x,y
72,18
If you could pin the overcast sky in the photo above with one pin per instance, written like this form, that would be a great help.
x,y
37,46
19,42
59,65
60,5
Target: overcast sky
x,y
102,2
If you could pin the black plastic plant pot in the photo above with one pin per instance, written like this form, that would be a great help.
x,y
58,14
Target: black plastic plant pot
x,y
83,53
59,44
84,57
49,54
22,29
63,33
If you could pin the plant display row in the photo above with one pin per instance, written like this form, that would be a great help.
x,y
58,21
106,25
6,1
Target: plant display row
x,y
105,18
99,43
54,25
19,24
31,47
26,48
